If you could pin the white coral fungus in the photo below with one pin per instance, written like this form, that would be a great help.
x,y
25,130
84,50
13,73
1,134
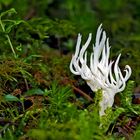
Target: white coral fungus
x,y
101,72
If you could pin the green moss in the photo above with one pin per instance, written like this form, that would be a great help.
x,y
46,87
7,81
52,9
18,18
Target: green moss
x,y
40,108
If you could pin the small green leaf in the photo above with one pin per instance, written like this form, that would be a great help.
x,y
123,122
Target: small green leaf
x,y
10,11
137,134
14,23
37,91
11,98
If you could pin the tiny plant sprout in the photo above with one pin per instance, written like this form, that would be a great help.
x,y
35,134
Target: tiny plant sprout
x,y
101,73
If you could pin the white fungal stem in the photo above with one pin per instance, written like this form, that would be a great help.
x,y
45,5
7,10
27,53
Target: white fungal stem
x,y
100,74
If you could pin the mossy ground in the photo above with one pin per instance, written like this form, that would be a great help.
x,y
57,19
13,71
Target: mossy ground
x,y
40,99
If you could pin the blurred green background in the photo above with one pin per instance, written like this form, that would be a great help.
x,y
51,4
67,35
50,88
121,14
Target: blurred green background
x,y
56,23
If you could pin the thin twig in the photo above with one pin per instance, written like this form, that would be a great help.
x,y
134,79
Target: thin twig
x,y
83,94
26,83
8,38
